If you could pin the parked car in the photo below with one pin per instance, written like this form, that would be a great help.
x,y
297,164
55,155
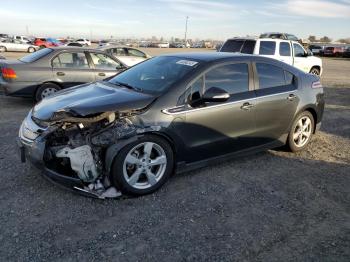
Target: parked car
x,y
16,45
4,37
163,45
83,42
336,51
22,39
278,35
170,113
128,55
48,70
290,52
74,44
346,52
316,49
46,42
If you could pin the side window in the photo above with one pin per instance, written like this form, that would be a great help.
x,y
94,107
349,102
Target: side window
x,y
284,49
120,52
102,61
194,92
298,50
267,48
70,60
137,53
270,75
232,78
290,78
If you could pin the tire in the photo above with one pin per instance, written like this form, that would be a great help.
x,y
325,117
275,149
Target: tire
x,y
45,90
301,132
31,50
3,49
132,176
315,71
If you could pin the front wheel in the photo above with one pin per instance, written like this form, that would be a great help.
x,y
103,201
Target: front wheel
x,y
315,71
301,131
31,50
143,166
3,49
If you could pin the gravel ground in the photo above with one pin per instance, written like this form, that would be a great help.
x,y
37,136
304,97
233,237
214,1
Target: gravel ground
x,y
271,206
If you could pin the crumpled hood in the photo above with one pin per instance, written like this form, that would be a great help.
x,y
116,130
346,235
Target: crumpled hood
x,y
91,98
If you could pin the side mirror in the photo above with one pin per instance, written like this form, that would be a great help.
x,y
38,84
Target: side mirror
x,y
215,94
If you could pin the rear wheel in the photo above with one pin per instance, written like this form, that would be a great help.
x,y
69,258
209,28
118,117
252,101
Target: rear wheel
x,y
301,131
46,90
315,71
31,50
143,166
3,49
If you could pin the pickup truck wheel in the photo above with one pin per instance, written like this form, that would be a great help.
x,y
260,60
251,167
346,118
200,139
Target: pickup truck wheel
x,y
315,71
46,90
3,49
31,50
143,166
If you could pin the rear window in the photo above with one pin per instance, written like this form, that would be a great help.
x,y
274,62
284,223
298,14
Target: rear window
x,y
232,46
267,48
240,46
36,55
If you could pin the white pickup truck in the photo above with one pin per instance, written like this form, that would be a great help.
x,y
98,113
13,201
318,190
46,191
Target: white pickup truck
x,y
290,52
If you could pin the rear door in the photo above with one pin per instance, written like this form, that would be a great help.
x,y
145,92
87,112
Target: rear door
x,y
285,52
104,65
267,48
72,68
276,101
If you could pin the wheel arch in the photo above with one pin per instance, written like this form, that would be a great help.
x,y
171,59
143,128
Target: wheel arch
x,y
114,149
47,82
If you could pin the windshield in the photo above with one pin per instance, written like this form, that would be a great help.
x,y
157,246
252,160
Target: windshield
x,y
155,75
36,55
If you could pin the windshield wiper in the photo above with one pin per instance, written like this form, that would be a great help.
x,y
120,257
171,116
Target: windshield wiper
x,y
128,86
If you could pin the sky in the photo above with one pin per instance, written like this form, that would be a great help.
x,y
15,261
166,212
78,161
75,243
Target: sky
x,y
208,19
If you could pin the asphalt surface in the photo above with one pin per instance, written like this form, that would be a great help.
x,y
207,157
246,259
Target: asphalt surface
x,y
271,206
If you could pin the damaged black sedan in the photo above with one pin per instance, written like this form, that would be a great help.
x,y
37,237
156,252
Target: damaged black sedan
x,y
169,114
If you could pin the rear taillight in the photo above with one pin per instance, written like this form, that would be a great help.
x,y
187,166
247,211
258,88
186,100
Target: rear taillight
x,y
8,73
316,84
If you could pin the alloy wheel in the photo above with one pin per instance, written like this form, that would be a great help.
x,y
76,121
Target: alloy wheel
x,y
48,92
315,71
144,165
302,131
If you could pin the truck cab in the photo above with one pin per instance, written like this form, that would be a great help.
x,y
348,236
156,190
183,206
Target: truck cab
x,y
290,52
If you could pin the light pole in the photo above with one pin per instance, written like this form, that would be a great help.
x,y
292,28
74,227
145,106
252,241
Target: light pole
x,y
186,31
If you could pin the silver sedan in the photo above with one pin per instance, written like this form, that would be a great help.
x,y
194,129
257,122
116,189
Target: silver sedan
x,y
16,45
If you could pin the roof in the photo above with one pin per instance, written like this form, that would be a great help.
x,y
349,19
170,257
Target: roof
x,y
208,56
75,48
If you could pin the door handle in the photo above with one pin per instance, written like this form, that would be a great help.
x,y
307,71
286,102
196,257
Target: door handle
x,y
291,97
247,106
101,74
60,73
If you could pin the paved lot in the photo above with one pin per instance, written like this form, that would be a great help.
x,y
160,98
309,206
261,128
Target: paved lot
x,y
272,206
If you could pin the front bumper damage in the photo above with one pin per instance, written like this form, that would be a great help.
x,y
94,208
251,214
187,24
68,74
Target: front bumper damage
x,y
77,162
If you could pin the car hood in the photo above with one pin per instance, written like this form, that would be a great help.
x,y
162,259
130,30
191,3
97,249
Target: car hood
x,y
90,99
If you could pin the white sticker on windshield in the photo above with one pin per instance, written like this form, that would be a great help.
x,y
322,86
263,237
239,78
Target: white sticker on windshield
x,y
186,62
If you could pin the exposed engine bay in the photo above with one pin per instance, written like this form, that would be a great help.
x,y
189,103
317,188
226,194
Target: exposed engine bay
x,y
76,146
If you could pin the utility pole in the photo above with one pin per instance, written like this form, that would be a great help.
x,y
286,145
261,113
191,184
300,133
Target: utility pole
x,y
186,31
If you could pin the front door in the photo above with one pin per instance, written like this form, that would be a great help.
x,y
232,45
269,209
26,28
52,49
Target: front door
x,y
72,68
300,58
213,129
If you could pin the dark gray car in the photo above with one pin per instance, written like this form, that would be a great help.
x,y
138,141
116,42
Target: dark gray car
x,y
170,113
46,71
